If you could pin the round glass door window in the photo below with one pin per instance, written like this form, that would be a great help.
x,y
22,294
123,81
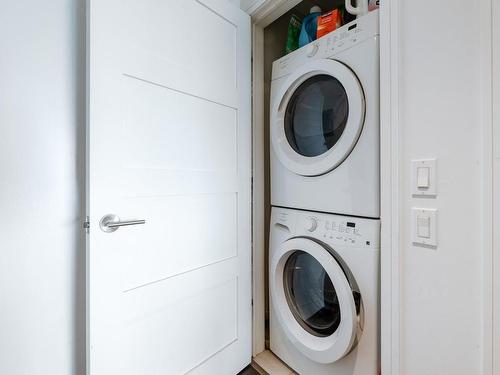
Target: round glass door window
x,y
316,115
311,295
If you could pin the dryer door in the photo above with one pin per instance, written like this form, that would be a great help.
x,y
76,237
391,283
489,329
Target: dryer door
x,y
314,300
317,117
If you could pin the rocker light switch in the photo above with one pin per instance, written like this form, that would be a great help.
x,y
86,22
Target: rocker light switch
x,y
424,178
424,227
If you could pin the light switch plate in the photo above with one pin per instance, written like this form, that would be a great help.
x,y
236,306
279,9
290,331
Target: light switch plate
x,y
424,227
418,168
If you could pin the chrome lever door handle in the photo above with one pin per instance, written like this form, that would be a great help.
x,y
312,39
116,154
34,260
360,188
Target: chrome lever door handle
x,y
125,223
110,223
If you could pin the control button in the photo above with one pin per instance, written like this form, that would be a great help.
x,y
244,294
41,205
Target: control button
x,y
312,225
312,49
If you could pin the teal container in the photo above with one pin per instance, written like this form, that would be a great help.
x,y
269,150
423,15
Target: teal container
x,y
309,26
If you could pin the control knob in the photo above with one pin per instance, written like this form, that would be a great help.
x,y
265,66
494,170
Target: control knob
x,y
312,49
312,224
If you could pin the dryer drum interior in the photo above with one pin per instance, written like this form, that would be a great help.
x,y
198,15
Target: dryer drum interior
x,y
316,115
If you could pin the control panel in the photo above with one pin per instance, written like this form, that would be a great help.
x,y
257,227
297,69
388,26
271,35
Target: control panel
x,y
329,45
335,229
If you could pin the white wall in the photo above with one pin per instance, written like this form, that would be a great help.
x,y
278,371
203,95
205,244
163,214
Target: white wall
x,y
42,262
247,4
495,264
440,117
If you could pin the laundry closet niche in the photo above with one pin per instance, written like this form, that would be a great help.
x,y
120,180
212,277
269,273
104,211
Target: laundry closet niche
x,y
269,46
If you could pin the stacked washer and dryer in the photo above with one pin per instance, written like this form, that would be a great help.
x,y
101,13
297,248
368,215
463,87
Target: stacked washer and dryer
x,y
325,228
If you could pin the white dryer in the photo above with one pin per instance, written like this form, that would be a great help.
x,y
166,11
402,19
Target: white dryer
x,y
324,292
324,123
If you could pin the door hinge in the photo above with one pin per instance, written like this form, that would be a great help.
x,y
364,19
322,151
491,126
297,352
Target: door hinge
x,y
86,224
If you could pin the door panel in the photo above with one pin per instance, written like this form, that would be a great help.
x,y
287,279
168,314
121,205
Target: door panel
x,y
157,251
180,321
169,142
208,131
204,61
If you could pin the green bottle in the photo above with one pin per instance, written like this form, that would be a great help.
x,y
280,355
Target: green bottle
x,y
292,40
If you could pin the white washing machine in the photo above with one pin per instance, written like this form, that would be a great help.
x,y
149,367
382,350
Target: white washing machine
x,y
324,292
324,125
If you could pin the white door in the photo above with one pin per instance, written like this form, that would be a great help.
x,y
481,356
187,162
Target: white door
x,y
168,143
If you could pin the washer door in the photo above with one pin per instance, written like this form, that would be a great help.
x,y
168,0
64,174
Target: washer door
x,y
317,117
313,300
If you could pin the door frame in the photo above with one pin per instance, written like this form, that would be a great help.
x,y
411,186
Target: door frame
x,y
490,33
263,13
